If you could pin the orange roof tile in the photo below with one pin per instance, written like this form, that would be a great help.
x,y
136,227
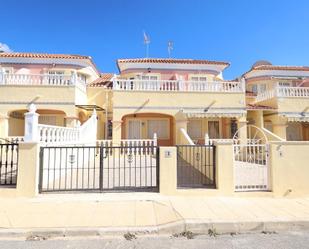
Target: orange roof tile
x,y
177,61
289,68
44,55
48,56
103,80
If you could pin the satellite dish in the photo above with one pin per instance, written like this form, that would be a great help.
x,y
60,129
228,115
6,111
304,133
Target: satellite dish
x,y
261,63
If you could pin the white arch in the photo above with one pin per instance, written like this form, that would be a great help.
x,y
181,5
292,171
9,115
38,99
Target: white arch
x,y
255,135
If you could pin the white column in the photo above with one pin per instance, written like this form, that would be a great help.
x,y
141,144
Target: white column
x,y
242,85
74,77
2,72
114,79
31,125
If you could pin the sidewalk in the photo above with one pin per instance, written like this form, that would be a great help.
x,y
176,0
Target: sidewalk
x,y
119,213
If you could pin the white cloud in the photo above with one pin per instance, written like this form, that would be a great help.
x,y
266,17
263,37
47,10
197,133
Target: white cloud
x,y
5,48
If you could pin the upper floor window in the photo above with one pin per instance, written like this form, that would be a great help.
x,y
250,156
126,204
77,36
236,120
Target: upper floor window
x,y
285,84
56,72
149,77
199,78
56,78
259,88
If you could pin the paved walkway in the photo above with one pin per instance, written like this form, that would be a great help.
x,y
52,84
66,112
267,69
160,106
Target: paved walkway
x,y
104,213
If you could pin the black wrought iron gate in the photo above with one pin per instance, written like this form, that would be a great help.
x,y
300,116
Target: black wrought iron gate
x,y
99,169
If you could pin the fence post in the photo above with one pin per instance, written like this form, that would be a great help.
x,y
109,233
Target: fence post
x,y
101,167
28,167
168,170
224,167
41,169
31,125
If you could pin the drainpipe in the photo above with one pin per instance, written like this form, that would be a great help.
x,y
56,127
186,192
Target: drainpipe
x,y
106,117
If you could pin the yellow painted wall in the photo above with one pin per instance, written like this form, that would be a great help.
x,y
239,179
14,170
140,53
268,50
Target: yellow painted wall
x,y
140,99
289,168
290,104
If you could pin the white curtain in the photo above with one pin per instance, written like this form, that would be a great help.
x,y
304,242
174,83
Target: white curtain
x,y
160,127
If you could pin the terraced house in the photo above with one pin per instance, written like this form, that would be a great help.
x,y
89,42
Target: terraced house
x,y
175,98
282,95
109,132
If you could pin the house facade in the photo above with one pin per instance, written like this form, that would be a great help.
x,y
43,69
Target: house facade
x,y
160,125
56,84
278,97
182,101
173,98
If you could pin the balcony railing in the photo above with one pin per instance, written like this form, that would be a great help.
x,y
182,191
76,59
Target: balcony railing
x,y
40,79
178,86
283,92
293,92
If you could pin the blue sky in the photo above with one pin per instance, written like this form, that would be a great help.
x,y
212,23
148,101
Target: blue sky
x,y
240,31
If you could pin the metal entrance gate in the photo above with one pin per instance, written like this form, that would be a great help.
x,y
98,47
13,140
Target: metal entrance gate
x,y
251,160
8,163
99,169
251,167
196,166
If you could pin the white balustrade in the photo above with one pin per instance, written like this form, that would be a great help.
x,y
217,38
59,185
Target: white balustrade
x,y
265,95
40,79
293,91
56,134
283,92
50,134
179,86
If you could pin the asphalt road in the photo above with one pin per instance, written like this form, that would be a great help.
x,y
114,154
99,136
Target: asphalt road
x,y
286,240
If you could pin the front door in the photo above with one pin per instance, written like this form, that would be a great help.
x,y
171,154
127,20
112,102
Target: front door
x,y
134,129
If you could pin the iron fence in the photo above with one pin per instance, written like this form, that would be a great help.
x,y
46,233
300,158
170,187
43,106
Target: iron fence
x,y
99,168
196,166
8,164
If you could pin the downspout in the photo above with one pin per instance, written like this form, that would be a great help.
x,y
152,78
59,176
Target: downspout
x,y
106,117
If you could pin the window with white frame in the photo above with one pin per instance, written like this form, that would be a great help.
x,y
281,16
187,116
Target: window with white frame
x,y
56,77
158,126
198,78
195,129
149,77
56,72
285,84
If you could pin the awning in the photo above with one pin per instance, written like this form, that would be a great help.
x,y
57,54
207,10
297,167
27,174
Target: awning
x,y
296,117
214,113
90,107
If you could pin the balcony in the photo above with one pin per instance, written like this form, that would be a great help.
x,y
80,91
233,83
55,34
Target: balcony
x,y
283,92
41,79
178,86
